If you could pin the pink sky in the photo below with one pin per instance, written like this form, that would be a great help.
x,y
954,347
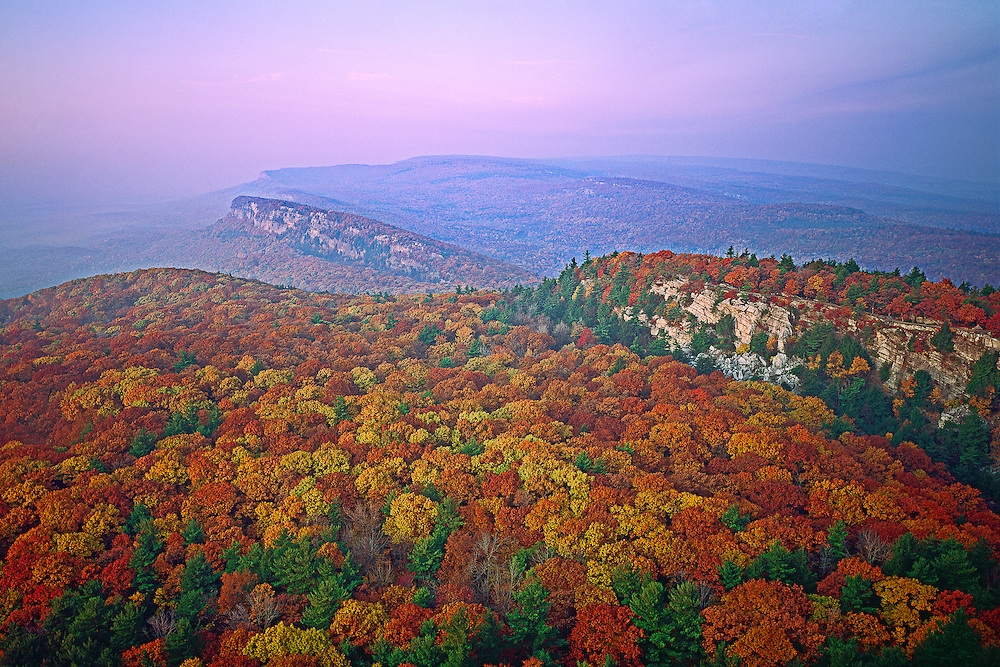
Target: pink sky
x,y
161,99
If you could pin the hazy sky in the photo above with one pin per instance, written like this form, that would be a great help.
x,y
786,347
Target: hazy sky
x,y
168,98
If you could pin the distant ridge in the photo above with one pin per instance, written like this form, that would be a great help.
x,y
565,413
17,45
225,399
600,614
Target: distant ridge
x,y
322,250
539,214
522,218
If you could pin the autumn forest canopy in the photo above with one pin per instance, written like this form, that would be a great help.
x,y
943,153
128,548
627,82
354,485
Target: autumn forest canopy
x,y
202,470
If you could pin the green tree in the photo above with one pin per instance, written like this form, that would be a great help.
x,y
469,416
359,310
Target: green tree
x,y
731,575
138,519
78,629
733,520
192,533
126,627
323,603
670,621
984,374
836,538
148,548
340,410
780,564
858,595
528,621
943,339
142,443
182,643
955,643
199,584
973,441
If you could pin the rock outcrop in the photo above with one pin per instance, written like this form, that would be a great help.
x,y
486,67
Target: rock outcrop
x,y
289,243
904,347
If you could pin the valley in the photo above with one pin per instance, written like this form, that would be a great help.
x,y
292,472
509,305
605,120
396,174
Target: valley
x,y
536,215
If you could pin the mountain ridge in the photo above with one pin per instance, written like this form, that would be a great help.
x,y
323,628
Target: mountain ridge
x,y
310,247
538,214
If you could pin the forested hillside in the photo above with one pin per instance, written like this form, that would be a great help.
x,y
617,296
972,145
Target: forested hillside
x,y
204,470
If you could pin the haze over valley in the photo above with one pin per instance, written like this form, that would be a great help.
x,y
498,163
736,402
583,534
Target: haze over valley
x,y
538,214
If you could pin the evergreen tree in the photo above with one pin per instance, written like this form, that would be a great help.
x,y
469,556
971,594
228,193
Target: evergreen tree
x,y
779,564
182,643
198,585
340,410
323,603
528,621
142,443
146,551
943,339
192,533
973,442
955,568
137,519
125,627
858,595
671,622
733,520
786,264
836,538
78,628
955,643
984,374
731,575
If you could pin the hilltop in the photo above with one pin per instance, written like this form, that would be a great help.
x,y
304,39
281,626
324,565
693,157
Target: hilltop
x,y
197,465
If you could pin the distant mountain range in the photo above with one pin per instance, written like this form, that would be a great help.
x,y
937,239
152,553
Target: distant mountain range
x,y
530,217
541,214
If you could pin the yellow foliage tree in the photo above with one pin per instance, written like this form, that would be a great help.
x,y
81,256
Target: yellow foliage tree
x,y
282,639
411,518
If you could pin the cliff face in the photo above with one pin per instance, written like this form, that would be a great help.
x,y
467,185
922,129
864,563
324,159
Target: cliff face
x,y
891,345
288,243
904,346
749,317
343,237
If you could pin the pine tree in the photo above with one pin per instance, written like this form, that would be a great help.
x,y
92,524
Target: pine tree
x,y
943,339
732,519
528,621
323,603
125,627
182,643
143,443
198,584
683,625
192,533
955,643
858,595
145,553
138,518
786,264
984,374
731,575
955,568
340,409
973,442
836,537
904,556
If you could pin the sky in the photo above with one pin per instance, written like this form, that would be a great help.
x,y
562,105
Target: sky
x,y
145,100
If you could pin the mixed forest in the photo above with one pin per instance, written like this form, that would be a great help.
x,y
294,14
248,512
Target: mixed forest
x,y
201,470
